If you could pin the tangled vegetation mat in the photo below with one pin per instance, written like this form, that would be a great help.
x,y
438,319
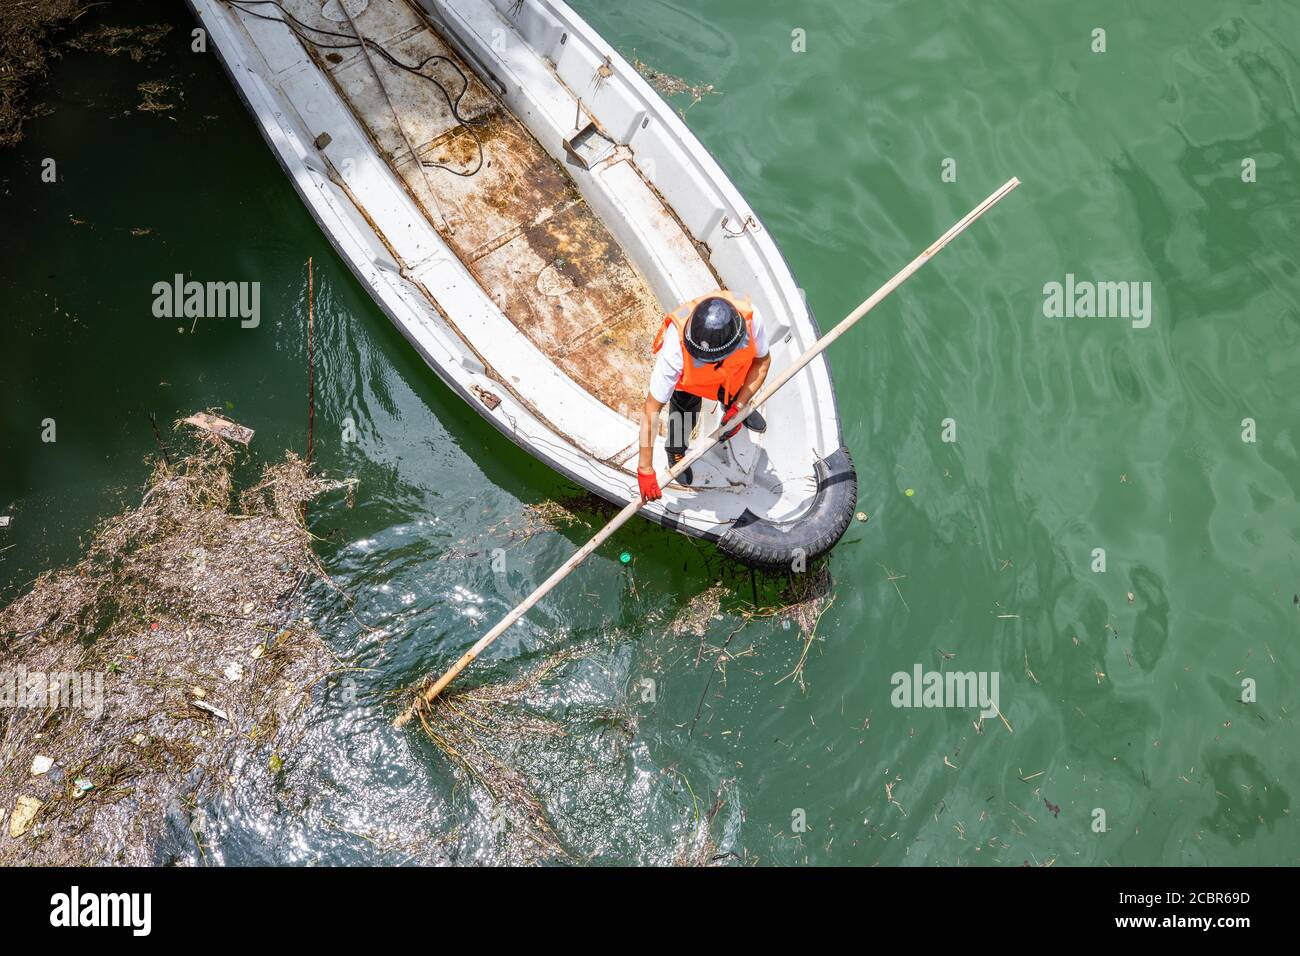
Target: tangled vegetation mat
x,y
173,653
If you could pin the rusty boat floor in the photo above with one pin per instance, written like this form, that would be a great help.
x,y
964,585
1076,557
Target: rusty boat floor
x,y
517,222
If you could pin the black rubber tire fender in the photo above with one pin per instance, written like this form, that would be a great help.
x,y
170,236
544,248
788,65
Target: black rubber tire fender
x,y
773,545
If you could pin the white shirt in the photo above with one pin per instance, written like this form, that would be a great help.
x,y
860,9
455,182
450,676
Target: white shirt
x,y
667,371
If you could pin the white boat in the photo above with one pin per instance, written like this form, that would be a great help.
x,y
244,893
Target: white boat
x,y
558,208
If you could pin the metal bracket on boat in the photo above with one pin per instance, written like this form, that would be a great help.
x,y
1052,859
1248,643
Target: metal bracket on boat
x,y
589,146
489,399
603,73
749,225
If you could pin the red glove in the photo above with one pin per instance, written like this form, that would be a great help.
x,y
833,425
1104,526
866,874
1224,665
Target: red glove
x,y
649,485
728,416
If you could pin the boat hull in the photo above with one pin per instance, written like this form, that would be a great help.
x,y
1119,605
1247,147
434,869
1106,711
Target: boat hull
x,y
606,214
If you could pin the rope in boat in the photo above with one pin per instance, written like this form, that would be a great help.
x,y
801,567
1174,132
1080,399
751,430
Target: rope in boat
x,y
301,30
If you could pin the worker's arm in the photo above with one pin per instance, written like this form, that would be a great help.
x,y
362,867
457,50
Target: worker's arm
x,y
645,470
754,380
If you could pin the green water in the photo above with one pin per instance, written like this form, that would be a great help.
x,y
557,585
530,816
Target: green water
x,y
1121,688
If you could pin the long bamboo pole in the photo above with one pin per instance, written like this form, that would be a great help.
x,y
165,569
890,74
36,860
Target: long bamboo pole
x,y
427,696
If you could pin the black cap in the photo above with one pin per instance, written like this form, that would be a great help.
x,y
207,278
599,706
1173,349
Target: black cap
x,y
714,331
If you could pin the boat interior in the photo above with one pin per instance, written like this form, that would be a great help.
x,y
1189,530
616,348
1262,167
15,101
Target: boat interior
x,y
493,170
510,211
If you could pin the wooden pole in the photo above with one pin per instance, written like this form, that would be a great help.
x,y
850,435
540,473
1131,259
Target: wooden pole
x,y
427,696
311,367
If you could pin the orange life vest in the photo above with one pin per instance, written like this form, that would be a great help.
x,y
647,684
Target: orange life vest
x,y
705,378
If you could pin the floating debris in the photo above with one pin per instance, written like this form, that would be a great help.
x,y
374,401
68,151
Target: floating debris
x,y
666,84
210,709
542,517
699,613
24,816
702,849
139,43
482,729
24,31
545,516
167,594
152,90
807,598
221,427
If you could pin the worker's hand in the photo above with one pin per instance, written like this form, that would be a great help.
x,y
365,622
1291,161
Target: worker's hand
x,y
728,416
649,485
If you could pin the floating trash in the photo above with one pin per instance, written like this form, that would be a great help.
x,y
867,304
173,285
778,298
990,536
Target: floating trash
x,y
24,816
172,732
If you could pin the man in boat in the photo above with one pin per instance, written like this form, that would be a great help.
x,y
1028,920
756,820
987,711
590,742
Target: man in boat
x,y
725,358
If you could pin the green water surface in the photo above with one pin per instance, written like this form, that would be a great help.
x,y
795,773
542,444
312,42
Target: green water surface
x,y
1121,689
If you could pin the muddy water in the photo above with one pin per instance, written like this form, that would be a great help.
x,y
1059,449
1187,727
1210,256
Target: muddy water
x,y
1121,689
